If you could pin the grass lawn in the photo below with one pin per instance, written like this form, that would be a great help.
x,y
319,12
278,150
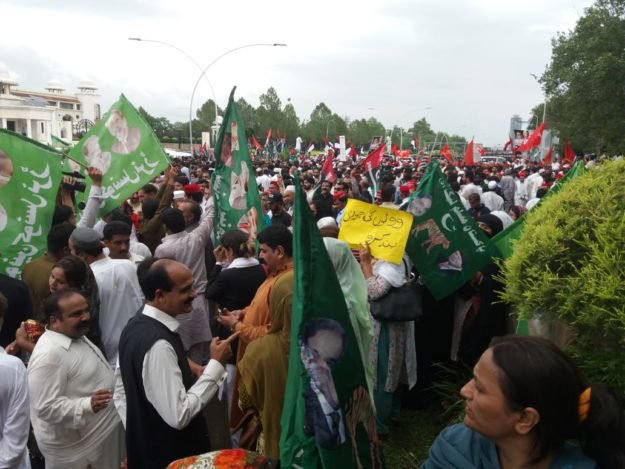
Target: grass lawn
x,y
409,441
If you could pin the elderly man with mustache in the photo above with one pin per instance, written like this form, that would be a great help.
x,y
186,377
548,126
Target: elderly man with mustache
x,y
71,384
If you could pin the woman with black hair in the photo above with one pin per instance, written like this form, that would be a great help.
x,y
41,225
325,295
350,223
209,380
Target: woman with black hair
x,y
527,406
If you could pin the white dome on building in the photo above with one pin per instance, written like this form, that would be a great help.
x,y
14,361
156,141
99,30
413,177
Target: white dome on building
x,y
55,85
87,85
5,76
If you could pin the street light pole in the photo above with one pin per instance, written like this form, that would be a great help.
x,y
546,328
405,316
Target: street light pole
x,y
199,67
209,66
544,98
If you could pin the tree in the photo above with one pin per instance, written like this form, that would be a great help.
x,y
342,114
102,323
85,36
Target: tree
x,y
578,280
249,116
269,112
206,116
585,81
291,122
160,125
319,124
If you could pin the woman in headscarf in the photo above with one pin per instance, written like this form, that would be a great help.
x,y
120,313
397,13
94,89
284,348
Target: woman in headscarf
x,y
392,352
354,288
264,368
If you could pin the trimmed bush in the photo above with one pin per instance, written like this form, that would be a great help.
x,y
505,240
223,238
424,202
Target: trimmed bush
x,y
569,266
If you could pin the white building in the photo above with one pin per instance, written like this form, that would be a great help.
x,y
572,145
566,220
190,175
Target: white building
x,y
43,114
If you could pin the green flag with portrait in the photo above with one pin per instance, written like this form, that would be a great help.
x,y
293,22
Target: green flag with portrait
x,y
237,202
123,146
30,174
327,418
445,243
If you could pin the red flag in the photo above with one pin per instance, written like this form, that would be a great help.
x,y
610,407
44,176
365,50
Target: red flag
x,y
508,143
255,142
533,140
268,138
468,154
481,150
374,158
569,154
446,153
394,149
278,134
327,169
547,158
353,152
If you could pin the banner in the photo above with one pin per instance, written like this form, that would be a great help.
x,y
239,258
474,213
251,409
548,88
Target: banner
x,y
445,242
125,149
30,174
237,203
327,420
384,230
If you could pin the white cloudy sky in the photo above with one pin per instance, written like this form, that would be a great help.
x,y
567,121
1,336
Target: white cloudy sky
x,y
469,61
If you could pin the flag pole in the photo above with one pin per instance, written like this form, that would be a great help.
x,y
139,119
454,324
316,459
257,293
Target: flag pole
x,y
82,165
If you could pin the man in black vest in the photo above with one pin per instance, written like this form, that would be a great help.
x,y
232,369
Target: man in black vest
x,y
162,402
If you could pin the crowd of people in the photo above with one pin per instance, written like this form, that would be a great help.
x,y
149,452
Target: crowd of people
x,y
139,339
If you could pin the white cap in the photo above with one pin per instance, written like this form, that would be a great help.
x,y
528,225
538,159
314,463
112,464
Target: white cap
x,y
290,189
326,222
178,195
492,185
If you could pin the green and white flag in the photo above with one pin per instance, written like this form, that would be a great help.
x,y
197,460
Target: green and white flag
x,y
30,174
237,202
123,146
327,419
445,243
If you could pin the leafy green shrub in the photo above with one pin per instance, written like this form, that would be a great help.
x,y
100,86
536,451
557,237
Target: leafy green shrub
x,y
569,266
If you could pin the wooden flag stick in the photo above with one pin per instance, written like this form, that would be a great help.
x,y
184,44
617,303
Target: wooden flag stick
x,y
65,155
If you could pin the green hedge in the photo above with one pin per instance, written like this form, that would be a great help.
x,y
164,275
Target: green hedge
x,y
569,265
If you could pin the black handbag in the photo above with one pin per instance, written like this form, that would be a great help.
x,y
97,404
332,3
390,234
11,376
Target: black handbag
x,y
399,304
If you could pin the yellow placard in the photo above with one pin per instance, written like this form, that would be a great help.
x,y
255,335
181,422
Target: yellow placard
x,y
384,230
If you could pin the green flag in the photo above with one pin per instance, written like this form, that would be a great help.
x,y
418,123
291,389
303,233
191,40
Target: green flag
x,y
237,203
59,144
30,174
327,419
125,149
505,239
445,242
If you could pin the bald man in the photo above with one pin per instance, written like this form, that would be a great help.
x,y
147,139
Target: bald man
x,y
155,391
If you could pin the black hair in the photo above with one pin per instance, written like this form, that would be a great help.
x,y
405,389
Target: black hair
x,y
149,189
153,277
4,305
51,303
474,196
113,228
540,193
237,240
196,210
315,325
75,270
536,373
277,235
182,180
149,208
62,214
120,215
58,238
388,192
173,220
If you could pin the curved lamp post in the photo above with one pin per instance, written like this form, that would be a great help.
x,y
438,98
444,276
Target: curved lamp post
x,y
209,66
199,67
